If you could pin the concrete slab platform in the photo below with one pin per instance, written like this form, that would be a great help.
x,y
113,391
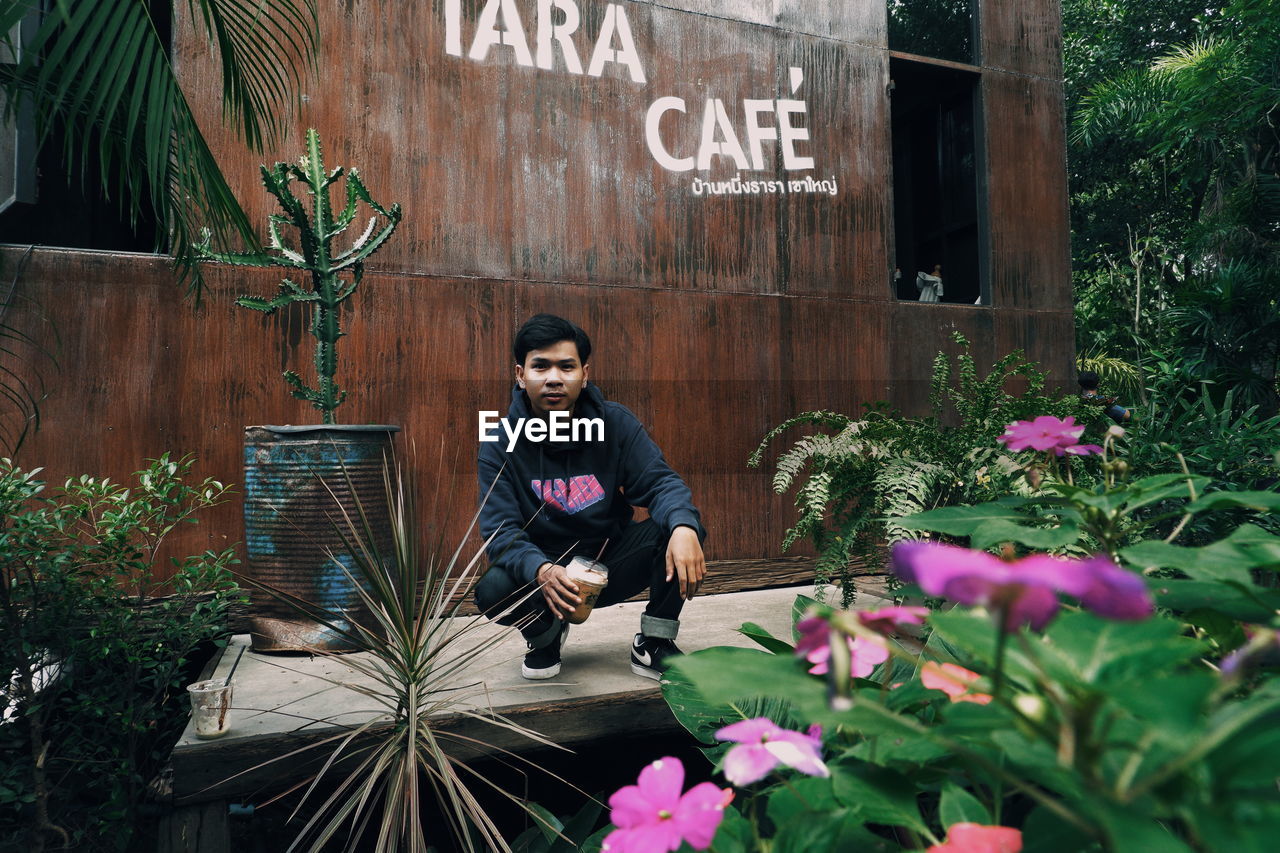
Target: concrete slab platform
x,y
283,703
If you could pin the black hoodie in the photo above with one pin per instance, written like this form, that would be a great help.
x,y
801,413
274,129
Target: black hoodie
x,y
558,498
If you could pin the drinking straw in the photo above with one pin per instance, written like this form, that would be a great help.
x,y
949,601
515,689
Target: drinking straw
x,y
601,554
233,667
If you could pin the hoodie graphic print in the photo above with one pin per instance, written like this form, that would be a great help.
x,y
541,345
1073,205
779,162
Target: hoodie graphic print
x,y
547,501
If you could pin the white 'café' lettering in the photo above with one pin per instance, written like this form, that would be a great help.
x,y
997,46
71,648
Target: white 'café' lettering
x,y
741,134
561,427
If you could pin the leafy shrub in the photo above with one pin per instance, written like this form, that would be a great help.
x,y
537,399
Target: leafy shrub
x,y
852,483
95,697
1095,724
1217,434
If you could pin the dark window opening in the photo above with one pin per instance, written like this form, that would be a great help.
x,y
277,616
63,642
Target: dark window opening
x,y
70,208
936,183
941,29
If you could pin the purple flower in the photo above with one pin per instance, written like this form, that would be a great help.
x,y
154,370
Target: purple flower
x,y
652,816
1026,594
864,656
1105,588
1047,433
887,620
1025,589
763,744
865,653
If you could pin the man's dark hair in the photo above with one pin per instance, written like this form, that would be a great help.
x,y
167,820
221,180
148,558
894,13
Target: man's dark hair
x,y
543,330
1088,380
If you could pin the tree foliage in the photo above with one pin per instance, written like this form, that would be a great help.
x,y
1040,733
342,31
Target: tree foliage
x,y
1176,185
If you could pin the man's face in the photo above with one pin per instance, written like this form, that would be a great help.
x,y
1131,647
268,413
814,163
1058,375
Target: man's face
x,y
552,377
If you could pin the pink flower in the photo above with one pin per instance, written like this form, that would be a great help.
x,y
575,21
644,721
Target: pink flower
x,y
1047,433
1107,589
763,744
1026,592
865,654
976,838
652,816
952,680
886,620
1026,589
814,632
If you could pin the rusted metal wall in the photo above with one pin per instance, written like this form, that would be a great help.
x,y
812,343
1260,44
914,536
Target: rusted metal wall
x,y
528,189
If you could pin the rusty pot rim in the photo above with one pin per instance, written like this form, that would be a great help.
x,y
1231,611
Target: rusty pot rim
x,y
290,429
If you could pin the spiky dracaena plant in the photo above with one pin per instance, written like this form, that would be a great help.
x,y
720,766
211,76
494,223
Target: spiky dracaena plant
x,y
418,657
316,230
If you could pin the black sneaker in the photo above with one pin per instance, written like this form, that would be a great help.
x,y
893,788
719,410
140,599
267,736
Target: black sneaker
x,y
650,656
544,663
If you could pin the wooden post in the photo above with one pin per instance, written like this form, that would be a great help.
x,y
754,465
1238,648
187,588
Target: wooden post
x,y
198,828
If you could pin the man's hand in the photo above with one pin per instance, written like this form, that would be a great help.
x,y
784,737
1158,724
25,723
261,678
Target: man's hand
x,y
560,592
684,557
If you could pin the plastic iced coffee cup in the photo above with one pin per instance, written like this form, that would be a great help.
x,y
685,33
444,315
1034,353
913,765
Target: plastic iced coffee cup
x,y
210,708
591,577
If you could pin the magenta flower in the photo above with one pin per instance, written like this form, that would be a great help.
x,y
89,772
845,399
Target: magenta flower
x,y
763,744
1027,594
814,631
1047,433
653,816
865,654
887,620
1025,589
1106,589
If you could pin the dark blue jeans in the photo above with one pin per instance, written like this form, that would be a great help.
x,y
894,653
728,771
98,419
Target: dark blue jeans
x,y
636,561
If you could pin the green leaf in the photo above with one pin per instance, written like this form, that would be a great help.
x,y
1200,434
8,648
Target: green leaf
x,y
903,751
761,636
703,714
1131,831
1248,828
1091,652
798,608
798,797
877,795
734,835
1256,501
1171,706
1257,605
964,520
1045,832
1038,538
1150,490
959,806
837,829
1229,560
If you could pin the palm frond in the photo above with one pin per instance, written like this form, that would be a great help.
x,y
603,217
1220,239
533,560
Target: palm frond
x,y
100,69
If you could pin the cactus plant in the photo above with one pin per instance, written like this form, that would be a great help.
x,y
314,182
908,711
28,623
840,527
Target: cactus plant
x,y
316,229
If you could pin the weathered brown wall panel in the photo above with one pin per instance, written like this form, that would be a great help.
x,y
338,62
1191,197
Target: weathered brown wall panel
x,y
861,21
919,331
508,171
1027,193
1023,36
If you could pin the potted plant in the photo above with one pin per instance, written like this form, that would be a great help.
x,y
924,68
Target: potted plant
x,y
289,470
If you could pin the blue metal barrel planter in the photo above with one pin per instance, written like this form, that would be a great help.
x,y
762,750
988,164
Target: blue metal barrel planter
x,y
289,518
